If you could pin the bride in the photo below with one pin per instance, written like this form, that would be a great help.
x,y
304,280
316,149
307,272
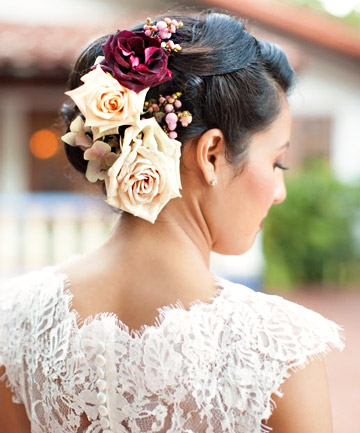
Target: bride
x,y
185,123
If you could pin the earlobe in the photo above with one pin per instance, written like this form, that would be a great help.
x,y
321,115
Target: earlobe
x,y
209,152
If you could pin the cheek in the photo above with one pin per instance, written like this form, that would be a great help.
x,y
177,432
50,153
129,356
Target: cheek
x,y
243,206
260,186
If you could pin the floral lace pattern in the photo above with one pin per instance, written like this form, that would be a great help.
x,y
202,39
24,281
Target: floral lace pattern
x,y
210,369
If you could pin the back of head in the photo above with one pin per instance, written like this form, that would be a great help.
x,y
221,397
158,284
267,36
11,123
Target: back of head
x,y
229,80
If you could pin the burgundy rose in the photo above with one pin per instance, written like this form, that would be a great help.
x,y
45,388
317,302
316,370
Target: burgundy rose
x,y
137,61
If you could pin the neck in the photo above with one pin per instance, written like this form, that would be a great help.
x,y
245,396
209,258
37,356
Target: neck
x,y
168,233
161,263
175,245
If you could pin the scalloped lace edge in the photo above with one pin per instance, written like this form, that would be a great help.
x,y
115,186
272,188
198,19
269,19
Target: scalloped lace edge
x,y
300,365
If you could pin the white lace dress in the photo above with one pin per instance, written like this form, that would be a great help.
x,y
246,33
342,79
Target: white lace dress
x,y
210,369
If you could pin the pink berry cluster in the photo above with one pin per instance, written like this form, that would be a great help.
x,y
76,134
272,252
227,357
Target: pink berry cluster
x,y
171,46
167,108
163,29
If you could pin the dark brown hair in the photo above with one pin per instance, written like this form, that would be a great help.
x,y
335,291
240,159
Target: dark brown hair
x,y
229,79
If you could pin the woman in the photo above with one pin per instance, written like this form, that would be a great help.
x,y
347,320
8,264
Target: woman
x,y
185,123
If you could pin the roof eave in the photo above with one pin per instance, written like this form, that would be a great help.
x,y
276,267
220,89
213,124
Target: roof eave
x,y
312,26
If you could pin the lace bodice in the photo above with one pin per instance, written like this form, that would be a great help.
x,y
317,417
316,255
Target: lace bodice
x,y
210,369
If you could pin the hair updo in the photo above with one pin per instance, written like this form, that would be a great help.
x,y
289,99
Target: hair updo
x,y
229,80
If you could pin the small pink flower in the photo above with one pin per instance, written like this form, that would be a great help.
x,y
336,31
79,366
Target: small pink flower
x,y
77,135
98,150
100,160
171,44
171,118
185,121
161,25
164,34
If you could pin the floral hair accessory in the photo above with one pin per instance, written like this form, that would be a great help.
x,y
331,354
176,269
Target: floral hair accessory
x,y
137,61
106,103
147,173
100,158
163,29
128,142
166,110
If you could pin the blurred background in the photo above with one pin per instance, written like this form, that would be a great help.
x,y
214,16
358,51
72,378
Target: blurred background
x,y
309,249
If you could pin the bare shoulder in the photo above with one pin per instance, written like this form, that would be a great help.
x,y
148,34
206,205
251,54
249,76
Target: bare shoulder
x,y
305,405
89,283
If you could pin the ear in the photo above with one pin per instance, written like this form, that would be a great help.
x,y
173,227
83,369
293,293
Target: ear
x,y
210,153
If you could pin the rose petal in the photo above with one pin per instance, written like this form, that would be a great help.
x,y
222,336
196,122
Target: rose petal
x,y
98,60
137,61
101,132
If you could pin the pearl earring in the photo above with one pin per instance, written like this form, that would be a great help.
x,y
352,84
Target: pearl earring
x,y
213,182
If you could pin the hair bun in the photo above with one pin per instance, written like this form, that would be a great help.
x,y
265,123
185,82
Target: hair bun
x,y
229,79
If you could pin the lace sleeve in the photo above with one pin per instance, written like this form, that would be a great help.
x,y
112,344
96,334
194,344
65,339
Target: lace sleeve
x,y
293,334
272,338
299,335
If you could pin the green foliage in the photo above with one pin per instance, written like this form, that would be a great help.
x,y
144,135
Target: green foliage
x,y
352,18
310,238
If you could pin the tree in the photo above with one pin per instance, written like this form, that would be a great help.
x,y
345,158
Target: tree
x,y
352,18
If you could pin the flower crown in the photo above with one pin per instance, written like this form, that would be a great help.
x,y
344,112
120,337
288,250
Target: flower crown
x,y
140,165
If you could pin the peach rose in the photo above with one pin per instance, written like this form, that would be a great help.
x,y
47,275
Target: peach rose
x,y
146,174
105,103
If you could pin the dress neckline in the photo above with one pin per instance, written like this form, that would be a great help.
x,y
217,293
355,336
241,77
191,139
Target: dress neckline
x,y
83,322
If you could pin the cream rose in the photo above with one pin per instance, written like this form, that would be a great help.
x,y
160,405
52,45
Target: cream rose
x,y
105,103
146,175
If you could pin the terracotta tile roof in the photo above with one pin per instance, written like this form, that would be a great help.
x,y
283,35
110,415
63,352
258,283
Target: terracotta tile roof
x,y
32,48
309,25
